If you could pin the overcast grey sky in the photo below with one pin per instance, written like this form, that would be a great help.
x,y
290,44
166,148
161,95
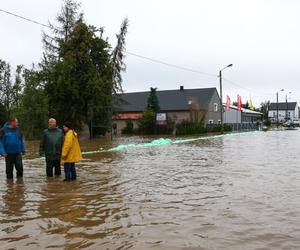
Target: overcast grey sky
x,y
260,37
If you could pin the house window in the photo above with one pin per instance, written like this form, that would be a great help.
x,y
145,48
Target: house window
x,y
211,122
215,107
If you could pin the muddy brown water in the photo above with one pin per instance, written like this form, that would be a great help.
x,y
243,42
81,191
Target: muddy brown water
x,y
233,192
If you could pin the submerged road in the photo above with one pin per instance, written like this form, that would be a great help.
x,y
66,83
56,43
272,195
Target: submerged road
x,y
226,192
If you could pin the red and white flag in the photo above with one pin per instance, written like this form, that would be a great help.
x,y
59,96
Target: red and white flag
x,y
240,104
228,103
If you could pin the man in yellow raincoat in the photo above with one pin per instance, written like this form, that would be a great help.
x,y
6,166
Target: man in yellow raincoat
x,y
71,152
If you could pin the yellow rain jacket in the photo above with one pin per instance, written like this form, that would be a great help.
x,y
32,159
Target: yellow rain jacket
x,y
71,149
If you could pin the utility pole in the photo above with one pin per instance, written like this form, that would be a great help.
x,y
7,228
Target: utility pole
x,y
286,111
287,107
221,102
221,97
277,119
278,107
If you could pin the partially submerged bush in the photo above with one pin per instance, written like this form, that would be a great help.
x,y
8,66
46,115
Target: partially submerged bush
x,y
129,129
188,128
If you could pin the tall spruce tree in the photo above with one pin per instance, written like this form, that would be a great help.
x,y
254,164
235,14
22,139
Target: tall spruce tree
x,y
82,88
118,56
67,18
80,72
153,102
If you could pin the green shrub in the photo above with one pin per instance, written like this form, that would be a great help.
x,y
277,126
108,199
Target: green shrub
x,y
188,128
129,128
267,122
147,122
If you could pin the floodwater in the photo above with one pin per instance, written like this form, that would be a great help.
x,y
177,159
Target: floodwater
x,y
239,191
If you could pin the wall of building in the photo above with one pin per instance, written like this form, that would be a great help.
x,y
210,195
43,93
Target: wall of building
x,y
213,114
292,114
121,124
179,116
232,116
251,118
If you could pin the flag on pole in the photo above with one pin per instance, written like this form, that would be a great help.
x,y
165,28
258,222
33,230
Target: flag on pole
x,y
228,103
240,104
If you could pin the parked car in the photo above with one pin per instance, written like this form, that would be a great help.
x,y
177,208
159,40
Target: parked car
x,y
297,123
289,124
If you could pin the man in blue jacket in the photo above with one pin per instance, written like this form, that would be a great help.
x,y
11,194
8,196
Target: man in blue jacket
x,y
12,147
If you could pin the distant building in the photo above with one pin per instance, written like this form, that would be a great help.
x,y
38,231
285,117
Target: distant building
x,y
179,105
245,116
286,111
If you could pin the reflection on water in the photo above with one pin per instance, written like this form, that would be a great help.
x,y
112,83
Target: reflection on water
x,y
233,192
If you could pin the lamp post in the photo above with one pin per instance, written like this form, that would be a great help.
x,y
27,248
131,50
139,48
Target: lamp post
x,y
277,106
287,108
221,96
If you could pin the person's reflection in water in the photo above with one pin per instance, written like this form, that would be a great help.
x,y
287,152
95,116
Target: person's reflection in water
x,y
79,209
14,198
61,200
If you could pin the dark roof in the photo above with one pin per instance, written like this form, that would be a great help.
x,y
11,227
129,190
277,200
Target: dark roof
x,y
282,106
169,100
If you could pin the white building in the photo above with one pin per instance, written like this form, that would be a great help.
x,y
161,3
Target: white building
x,y
286,111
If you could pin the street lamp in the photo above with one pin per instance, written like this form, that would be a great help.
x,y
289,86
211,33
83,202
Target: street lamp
x,y
277,106
221,96
287,108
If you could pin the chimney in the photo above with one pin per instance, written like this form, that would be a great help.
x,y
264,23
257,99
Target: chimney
x,y
181,88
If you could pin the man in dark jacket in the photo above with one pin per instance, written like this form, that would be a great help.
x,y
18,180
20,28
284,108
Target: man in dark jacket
x,y
51,145
12,147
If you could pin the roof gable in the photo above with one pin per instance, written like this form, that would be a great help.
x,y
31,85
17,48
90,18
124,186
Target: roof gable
x,y
169,100
283,106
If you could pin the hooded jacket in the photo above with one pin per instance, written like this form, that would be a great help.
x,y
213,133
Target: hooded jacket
x,y
71,149
11,140
51,143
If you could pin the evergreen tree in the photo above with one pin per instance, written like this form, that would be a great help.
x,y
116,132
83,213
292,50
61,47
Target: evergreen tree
x,y
81,87
264,108
67,18
10,92
6,86
33,109
153,103
76,79
246,105
118,56
147,122
3,115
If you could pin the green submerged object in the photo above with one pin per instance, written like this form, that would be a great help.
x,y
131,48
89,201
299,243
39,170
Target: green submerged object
x,y
162,142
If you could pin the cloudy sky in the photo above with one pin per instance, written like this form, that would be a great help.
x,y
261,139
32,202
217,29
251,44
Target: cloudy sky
x,y
261,38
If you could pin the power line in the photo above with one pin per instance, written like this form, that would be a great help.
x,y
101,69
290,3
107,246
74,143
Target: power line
x,y
25,18
243,87
127,52
170,64
141,56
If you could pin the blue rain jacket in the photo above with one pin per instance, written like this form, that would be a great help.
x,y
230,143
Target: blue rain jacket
x,y
11,141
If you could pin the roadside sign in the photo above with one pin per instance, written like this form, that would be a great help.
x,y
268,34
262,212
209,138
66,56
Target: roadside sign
x,y
161,118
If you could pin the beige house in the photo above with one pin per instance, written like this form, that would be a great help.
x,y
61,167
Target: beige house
x,y
179,105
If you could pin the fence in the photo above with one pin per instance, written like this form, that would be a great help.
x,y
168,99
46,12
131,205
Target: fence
x,y
236,126
243,126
